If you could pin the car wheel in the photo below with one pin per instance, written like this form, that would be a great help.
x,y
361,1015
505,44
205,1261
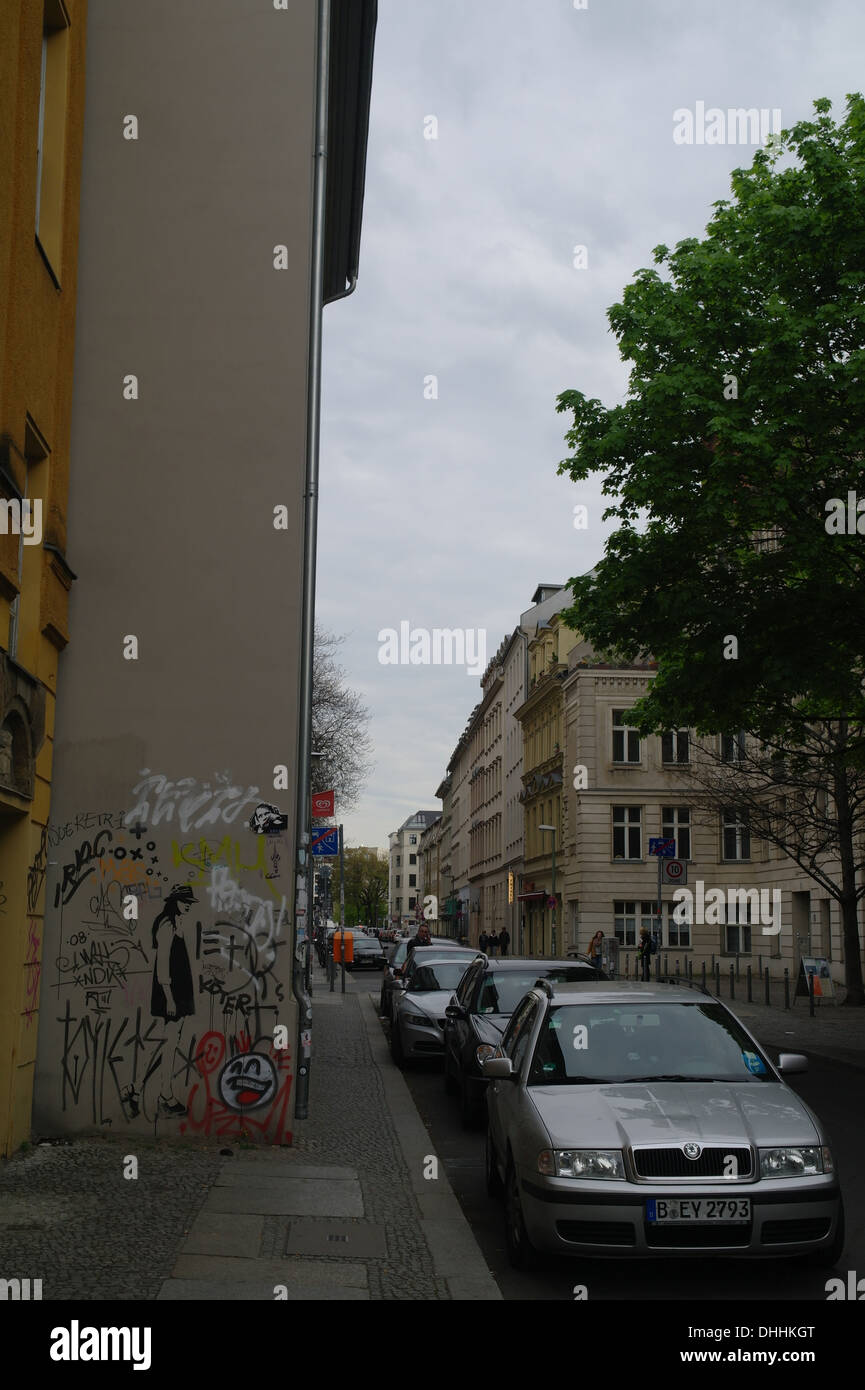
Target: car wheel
x,y
468,1108
521,1253
828,1258
450,1085
396,1047
491,1172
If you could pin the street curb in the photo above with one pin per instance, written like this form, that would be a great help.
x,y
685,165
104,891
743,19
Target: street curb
x,y
456,1255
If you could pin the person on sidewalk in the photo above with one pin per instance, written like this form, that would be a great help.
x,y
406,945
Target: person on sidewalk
x,y
596,950
644,954
494,943
483,942
504,940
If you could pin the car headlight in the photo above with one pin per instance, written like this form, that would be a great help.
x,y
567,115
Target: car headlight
x,y
483,1051
801,1161
422,1019
582,1163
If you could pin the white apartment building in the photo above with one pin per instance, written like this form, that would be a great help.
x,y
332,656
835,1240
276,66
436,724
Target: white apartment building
x,y
403,895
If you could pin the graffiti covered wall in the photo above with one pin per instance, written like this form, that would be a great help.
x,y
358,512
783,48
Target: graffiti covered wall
x,y
169,974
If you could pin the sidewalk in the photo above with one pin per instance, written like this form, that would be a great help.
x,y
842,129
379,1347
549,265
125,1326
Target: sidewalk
x,y
346,1214
834,1031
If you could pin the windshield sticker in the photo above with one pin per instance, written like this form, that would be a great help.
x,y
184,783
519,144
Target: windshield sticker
x,y
754,1063
549,1066
556,1023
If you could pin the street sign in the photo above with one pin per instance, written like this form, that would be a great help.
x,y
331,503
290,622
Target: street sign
x,y
325,842
674,871
665,849
322,803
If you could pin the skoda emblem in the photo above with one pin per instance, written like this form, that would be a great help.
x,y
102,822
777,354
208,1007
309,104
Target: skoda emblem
x,y
691,1150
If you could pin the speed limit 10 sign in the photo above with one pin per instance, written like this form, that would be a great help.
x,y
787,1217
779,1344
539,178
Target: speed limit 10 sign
x,y
674,871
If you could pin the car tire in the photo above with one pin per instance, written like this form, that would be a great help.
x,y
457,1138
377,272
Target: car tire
x,y
450,1085
829,1257
521,1253
491,1172
468,1107
397,1051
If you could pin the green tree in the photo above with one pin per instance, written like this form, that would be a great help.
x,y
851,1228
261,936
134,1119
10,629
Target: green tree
x,y
742,431
365,886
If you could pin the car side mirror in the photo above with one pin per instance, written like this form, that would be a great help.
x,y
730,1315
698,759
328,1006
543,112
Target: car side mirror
x,y
455,1011
792,1062
498,1069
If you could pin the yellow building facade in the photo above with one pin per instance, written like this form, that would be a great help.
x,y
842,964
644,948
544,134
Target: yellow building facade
x,y
41,131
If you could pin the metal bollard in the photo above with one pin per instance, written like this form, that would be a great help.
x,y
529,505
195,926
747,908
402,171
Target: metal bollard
x,y
768,996
750,995
786,987
718,977
690,968
732,983
737,965
704,975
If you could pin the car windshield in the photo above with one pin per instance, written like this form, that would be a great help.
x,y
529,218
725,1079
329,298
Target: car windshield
x,y
437,975
581,1044
398,954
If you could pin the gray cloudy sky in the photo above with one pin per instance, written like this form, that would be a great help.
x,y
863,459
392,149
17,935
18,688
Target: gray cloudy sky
x,y
555,128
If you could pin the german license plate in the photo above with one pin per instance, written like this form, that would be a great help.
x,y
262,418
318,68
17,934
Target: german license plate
x,y
704,1211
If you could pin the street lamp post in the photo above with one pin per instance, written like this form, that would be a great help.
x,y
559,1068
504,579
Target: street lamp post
x,y
552,828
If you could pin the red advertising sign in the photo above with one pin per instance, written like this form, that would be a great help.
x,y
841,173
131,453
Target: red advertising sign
x,y
322,803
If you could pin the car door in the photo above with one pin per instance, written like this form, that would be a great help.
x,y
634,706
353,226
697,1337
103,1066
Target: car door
x,y
457,1030
503,1097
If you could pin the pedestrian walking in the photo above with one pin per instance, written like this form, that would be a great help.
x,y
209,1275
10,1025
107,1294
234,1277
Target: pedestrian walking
x,y
596,950
483,942
494,942
504,940
644,954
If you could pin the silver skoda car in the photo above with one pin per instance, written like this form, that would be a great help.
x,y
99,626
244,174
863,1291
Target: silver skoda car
x,y
644,1120
418,1014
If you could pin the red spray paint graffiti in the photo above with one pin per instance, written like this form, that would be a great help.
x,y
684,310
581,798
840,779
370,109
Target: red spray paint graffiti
x,y
267,1069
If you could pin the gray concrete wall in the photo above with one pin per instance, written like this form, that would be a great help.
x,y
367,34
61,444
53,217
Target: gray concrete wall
x,y
161,760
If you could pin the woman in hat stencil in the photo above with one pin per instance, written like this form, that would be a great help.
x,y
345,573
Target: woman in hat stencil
x,y
171,998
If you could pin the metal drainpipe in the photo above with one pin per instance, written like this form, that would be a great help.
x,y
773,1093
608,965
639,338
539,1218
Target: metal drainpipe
x,y
310,533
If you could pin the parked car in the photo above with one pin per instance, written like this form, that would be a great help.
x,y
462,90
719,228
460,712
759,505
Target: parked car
x,y
645,1120
479,1013
396,959
417,1017
368,954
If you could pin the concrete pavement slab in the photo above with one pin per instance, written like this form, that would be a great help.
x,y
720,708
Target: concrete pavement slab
x,y
211,1234
294,1272
288,1197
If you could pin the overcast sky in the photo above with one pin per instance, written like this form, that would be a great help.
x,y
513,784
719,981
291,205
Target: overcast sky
x,y
555,129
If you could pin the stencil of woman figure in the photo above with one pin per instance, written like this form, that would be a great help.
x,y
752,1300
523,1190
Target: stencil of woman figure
x,y
172,998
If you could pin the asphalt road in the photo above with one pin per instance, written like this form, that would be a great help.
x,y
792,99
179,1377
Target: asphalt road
x,y
833,1090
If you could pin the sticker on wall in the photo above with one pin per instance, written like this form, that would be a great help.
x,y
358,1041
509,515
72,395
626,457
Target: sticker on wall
x,y
248,1081
268,820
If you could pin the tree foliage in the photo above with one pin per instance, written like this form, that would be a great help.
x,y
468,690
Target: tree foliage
x,y
339,727
744,419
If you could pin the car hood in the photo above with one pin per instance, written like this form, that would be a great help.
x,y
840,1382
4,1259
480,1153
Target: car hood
x,y
619,1115
428,1001
490,1027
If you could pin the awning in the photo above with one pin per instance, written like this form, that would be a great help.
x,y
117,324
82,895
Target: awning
x,y
531,897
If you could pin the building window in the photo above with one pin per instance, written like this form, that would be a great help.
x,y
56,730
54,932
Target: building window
x,y
51,136
412,859
675,746
399,860
397,881
733,747
411,903
625,923
412,839
737,929
627,832
626,742
678,933
412,880
676,825
736,835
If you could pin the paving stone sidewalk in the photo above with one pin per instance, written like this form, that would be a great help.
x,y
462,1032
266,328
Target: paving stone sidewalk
x,y
347,1212
835,1031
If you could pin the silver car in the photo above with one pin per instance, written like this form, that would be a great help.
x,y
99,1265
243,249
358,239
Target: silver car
x,y
418,1012
644,1120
